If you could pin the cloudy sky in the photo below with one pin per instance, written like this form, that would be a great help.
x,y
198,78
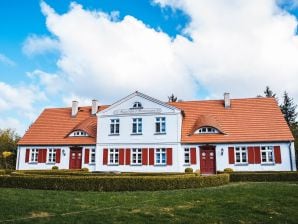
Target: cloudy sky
x,y
53,52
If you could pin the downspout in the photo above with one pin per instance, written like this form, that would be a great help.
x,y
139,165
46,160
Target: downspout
x,y
290,151
18,158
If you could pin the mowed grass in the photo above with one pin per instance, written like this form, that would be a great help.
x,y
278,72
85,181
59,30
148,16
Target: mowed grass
x,y
233,203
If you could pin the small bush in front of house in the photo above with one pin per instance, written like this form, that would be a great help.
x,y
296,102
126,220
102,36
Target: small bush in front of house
x,y
112,183
228,170
85,170
262,176
2,172
188,170
55,168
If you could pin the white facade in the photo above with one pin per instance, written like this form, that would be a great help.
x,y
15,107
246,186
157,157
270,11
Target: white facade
x,y
151,139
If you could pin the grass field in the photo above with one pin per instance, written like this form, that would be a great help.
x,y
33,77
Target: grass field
x,y
233,203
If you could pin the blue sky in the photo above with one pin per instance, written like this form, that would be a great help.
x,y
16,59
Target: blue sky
x,y
54,51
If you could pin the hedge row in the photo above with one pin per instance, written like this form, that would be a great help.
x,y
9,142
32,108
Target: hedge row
x,y
82,173
116,183
260,177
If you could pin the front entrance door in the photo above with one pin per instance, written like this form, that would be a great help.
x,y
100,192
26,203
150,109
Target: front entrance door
x,y
75,158
207,159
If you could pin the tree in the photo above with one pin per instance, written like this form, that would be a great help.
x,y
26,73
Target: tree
x,y
268,92
172,98
288,108
8,144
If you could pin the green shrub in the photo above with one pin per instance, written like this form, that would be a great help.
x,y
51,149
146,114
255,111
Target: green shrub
x,y
188,170
228,170
112,183
55,168
2,172
5,171
85,170
260,177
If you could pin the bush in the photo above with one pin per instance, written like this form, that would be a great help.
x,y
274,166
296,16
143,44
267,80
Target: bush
x,y
228,170
6,171
260,177
188,170
112,183
2,172
85,170
55,168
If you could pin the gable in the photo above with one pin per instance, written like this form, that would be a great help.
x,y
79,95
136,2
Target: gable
x,y
138,103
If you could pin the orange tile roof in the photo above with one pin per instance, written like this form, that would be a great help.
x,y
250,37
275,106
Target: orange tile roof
x,y
248,120
54,125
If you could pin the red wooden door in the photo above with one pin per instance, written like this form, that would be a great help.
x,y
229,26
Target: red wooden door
x,y
75,158
207,160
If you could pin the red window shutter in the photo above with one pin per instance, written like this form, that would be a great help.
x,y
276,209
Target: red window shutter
x,y
105,157
42,155
27,155
257,151
251,155
87,151
169,156
151,156
193,156
277,154
231,155
144,156
58,155
121,156
127,157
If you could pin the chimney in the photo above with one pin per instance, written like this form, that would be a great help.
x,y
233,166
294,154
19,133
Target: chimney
x,y
74,108
227,101
94,107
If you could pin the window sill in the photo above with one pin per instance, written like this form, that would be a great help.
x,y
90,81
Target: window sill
x,y
113,164
160,133
267,164
135,164
91,164
114,134
241,164
50,163
186,164
33,163
136,134
160,164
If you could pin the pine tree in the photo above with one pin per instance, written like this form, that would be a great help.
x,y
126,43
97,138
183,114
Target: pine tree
x,y
288,108
268,92
172,98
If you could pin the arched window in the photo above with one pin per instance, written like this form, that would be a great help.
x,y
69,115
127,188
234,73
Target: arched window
x,y
137,105
206,130
78,133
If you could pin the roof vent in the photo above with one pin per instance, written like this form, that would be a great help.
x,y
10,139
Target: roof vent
x,y
94,107
74,108
227,101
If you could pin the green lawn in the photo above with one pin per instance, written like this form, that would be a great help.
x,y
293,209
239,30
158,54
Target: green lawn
x,y
233,203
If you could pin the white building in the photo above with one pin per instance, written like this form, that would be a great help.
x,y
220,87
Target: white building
x,y
141,134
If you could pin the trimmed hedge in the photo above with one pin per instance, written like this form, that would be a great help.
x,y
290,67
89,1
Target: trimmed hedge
x,y
5,171
112,183
261,176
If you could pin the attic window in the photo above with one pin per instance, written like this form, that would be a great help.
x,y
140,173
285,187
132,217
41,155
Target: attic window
x,y
78,133
206,130
137,105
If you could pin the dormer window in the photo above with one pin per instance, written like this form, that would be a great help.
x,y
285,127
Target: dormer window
x,y
206,130
78,133
137,105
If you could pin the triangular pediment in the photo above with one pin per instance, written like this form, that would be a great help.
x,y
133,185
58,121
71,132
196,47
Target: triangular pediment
x,y
138,103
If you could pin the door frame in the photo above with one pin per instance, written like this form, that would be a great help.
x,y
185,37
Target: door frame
x,y
208,147
76,149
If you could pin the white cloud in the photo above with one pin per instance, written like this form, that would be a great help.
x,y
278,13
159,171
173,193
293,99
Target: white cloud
x,y
35,45
13,123
106,58
240,46
6,60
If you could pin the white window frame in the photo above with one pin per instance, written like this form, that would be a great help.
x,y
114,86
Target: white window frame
x,y
161,123
137,105
267,150
115,126
92,155
79,133
34,155
138,122
51,155
158,158
186,153
138,155
207,130
240,150
113,156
